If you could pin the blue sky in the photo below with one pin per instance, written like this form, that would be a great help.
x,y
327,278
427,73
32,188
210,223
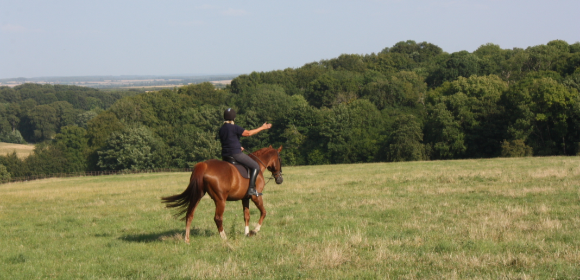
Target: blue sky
x,y
84,38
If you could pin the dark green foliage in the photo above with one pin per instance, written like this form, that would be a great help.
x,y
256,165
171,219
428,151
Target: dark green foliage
x,y
43,123
4,174
133,148
205,93
333,88
444,133
405,141
474,104
401,89
543,115
15,166
39,111
421,52
411,101
12,137
515,148
350,132
459,64
72,143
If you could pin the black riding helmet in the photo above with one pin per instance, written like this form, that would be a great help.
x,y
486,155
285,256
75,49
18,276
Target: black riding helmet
x,y
229,114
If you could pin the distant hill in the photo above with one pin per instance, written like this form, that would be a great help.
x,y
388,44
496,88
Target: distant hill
x,y
119,81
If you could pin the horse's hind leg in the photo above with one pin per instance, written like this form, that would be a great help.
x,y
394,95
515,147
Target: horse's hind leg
x,y
246,205
220,206
260,204
189,216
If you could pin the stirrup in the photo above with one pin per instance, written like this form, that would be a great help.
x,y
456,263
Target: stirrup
x,y
252,191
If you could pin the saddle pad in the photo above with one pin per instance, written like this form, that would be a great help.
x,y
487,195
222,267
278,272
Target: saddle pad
x,y
243,170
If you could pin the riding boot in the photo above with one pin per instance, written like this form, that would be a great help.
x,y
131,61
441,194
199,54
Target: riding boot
x,y
253,175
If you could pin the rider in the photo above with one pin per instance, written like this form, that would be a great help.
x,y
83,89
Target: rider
x,y
231,147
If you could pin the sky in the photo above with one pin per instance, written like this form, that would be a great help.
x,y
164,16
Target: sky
x,y
42,38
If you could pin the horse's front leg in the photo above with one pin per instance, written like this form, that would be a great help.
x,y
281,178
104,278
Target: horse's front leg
x,y
260,204
246,205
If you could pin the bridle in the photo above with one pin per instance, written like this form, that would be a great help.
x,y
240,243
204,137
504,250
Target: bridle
x,y
275,175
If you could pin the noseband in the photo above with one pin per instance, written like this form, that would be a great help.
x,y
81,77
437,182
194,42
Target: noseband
x,y
277,174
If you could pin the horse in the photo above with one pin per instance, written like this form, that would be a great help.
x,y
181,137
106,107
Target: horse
x,y
223,182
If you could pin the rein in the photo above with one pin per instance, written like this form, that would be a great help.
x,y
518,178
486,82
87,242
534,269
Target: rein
x,y
273,176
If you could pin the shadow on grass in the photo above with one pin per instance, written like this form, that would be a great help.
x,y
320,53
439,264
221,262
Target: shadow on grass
x,y
175,234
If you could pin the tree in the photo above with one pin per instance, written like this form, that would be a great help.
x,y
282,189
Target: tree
x,y
475,105
46,159
100,128
269,102
540,109
405,141
323,91
193,145
443,132
458,64
401,89
4,174
298,131
73,145
205,93
14,165
44,120
350,132
133,148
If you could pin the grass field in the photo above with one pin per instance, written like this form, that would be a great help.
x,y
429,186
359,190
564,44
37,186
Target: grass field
x,y
469,219
22,151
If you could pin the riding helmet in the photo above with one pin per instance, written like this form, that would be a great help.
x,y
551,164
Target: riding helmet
x,y
229,114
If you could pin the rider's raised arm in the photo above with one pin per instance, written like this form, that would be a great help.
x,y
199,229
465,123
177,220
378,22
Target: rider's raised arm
x,y
265,126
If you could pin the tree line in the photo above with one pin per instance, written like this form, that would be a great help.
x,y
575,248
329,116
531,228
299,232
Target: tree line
x,y
411,101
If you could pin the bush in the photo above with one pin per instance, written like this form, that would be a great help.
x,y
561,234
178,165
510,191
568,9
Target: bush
x,y
4,174
515,148
12,137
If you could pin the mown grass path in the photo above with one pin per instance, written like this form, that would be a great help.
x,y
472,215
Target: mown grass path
x,y
482,219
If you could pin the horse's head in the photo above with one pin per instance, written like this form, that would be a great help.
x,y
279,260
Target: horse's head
x,y
275,166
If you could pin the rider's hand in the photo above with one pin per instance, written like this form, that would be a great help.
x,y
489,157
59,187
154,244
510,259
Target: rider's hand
x,y
267,125
242,149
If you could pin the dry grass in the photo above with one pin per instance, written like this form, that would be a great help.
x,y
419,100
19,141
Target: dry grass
x,y
471,219
22,151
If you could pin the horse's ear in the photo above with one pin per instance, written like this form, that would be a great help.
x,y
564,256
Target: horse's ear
x,y
270,147
280,149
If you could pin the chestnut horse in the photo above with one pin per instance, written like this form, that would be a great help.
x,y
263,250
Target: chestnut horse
x,y
223,182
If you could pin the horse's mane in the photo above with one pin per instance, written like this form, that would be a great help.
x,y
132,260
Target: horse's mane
x,y
262,151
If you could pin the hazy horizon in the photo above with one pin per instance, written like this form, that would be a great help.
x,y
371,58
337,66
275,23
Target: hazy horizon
x,y
112,38
126,75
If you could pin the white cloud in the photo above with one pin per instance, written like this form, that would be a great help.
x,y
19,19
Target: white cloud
x,y
13,28
234,12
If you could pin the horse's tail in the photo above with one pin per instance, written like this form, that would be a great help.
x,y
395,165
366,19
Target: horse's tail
x,y
186,201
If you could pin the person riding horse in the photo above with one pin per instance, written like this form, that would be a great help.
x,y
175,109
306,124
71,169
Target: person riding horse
x,y
229,135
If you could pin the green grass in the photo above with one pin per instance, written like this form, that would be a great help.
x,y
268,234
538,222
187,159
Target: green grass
x,y
477,219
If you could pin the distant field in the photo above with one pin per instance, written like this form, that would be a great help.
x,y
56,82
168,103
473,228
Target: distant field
x,y
22,151
469,219
220,83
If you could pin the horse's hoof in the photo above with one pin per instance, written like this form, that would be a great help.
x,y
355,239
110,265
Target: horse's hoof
x,y
251,233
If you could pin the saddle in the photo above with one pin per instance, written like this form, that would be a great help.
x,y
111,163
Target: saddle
x,y
244,171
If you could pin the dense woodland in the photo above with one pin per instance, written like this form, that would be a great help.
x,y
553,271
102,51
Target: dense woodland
x,y
411,101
